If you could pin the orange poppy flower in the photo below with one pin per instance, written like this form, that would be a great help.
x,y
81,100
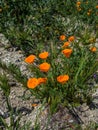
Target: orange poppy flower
x,y
42,80
62,78
30,59
34,105
62,37
44,67
32,83
67,52
43,55
93,49
96,6
78,4
71,38
66,44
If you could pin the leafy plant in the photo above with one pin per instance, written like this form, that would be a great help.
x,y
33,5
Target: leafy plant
x,y
15,71
28,23
63,78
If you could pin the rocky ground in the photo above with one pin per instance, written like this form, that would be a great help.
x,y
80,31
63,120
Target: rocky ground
x,y
84,113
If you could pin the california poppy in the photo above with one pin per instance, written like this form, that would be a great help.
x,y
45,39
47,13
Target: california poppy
x,y
62,37
43,55
96,6
34,104
44,67
93,49
67,52
71,38
30,59
66,44
62,78
32,83
42,80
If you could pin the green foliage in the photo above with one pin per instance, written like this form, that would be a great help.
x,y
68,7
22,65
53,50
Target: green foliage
x,y
14,115
80,67
5,87
88,12
90,126
4,84
28,23
35,26
14,71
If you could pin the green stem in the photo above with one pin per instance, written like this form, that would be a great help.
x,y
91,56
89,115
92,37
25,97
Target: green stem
x,y
8,103
10,109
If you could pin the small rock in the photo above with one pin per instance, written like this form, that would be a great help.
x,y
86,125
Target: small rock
x,y
83,108
0,53
8,120
7,46
70,121
1,113
18,60
20,52
12,83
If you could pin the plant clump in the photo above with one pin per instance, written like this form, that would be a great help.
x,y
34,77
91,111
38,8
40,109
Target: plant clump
x,y
63,75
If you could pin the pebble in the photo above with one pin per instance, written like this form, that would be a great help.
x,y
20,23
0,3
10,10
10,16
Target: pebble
x,y
12,83
20,52
0,53
83,108
1,113
70,121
